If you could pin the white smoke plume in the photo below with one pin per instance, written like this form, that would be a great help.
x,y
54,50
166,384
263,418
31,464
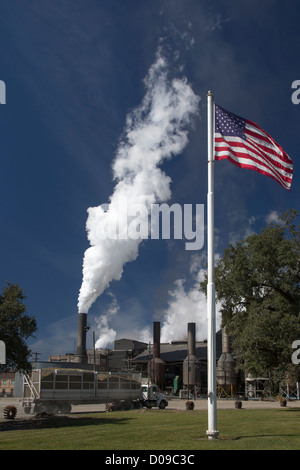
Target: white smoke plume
x,y
187,305
154,132
107,335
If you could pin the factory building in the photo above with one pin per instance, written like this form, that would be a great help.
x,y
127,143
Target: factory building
x,y
177,366
180,364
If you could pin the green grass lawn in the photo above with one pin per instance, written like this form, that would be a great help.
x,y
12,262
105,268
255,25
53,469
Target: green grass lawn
x,y
159,430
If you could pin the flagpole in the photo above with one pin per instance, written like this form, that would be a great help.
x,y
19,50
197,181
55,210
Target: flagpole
x,y
212,432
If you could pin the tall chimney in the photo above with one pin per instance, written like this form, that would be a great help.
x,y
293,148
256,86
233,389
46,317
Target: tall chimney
x,y
192,339
225,372
81,352
156,339
156,366
225,342
191,367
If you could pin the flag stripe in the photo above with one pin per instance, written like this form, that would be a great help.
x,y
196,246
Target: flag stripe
x,y
244,162
248,159
258,138
246,145
263,142
253,151
244,153
239,162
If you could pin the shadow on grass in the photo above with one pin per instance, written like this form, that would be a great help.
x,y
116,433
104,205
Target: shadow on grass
x,y
56,421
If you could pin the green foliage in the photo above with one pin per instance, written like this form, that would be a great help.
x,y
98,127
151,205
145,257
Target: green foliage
x,y
15,327
257,283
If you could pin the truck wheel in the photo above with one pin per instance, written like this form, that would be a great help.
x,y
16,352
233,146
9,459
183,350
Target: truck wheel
x,y
162,405
65,408
52,408
10,412
41,408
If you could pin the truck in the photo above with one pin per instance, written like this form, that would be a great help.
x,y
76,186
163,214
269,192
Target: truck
x,y
55,389
151,396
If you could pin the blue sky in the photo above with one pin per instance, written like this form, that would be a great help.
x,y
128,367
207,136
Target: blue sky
x,y
73,71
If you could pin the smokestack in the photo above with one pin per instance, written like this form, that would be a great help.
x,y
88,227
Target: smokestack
x,y
191,369
156,339
156,367
81,352
192,339
225,373
225,342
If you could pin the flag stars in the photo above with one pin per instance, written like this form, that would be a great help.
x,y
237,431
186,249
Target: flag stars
x,y
246,145
229,124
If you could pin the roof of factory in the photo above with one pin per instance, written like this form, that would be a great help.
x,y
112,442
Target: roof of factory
x,y
177,350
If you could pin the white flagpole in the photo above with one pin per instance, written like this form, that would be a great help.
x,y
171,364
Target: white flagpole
x,y
212,432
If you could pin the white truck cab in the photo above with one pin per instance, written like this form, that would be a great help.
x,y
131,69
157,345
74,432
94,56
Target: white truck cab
x,y
151,396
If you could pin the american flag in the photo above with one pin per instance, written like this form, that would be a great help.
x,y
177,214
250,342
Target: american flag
x,y
246,145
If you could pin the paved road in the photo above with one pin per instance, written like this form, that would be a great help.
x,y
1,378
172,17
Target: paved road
x,y
174,404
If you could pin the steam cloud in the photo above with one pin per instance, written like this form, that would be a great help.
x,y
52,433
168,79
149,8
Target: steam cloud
x,y
154,132
107,334
187,305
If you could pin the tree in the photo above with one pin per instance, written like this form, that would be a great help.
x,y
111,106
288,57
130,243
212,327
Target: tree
x,y
257,284
15,328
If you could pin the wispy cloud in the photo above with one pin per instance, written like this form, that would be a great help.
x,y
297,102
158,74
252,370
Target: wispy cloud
x,y
273,216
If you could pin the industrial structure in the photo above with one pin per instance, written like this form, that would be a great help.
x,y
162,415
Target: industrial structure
x,y
178,367
191,365
183,362
81,352
156,367
225,372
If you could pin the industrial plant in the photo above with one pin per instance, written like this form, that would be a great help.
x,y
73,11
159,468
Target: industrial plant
x,y
179,367
136,374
